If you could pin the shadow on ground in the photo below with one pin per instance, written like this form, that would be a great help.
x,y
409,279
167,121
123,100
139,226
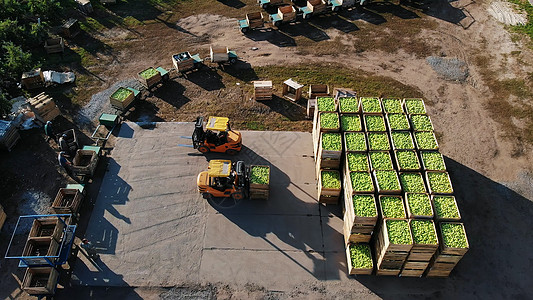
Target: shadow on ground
x,y
498,265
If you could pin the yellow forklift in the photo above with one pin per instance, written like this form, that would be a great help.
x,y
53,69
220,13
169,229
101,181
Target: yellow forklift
x,y
217,136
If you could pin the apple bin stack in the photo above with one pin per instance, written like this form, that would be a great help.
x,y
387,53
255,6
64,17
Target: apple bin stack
x,y
398,197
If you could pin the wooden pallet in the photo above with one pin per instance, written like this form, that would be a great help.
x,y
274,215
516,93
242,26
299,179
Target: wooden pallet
x,y
262,90
67,201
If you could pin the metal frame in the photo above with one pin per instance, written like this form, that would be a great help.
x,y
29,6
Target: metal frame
x,y
67,238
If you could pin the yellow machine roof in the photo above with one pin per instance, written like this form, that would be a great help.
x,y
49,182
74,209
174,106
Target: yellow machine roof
x,y
219,168
217,123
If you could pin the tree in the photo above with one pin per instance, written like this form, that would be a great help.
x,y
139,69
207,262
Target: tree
x,y
44,8
5,104
15,61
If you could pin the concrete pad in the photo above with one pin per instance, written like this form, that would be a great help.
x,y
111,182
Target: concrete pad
x,y
274,270
263,232
153,228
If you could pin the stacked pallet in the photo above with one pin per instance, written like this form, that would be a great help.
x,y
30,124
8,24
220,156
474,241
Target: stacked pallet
x,y
9,135
44,107
327,146
392,246
262,90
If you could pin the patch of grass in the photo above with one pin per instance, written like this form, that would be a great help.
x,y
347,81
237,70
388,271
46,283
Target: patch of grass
x,y
336,75
131,21
91,25
525,6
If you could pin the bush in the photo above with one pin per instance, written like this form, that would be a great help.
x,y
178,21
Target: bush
x,y
14,61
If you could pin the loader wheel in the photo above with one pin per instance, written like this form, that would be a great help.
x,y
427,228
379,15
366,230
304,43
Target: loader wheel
x,y
244,30
231,152
232,61
237,196
203,149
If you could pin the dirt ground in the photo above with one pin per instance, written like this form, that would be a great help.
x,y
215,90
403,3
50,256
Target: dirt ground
x,y
483,131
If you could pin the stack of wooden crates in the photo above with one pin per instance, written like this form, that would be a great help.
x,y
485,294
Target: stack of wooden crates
x,y
44,108
326,160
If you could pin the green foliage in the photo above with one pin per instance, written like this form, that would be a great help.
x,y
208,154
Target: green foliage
x,y
361,256
325,104
387,180
14,60
374,123
407,160
439,182
351,123
361,182
330,180
392,207
445,207
329,120
453,235
392,105
5,104
355,141
412,183
398,232
357,161
528,8
260,175
331,141
364,206
380,160
378,141
423,232
348,105
44,8
398,122
419,204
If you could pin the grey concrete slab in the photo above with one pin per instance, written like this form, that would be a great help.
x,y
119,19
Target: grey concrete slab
x,y
153,228
332,232
263,232
274,270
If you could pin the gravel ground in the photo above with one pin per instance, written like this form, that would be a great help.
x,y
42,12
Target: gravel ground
x,y
451,69
100,102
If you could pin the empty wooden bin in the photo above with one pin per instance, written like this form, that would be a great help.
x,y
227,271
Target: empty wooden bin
x,y
262,90
67,201
40,281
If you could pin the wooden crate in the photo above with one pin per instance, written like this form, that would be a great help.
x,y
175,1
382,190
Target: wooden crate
x,y
262,90
40,281
405,106
328,191
54,45
121,104
397,161
320,129
32,79
423,252
386,272
183,62
442,219
9,135
347,184
287,13
382,191
311,107
440,269
47,227
41,246
85,6
350,237
254,19
219,54
351,269
257,186
71,27
410,214
385,244
84,163
67,201
149,82
431,191
394,196
318,90
345,146
450,250
316,6
414,268
44,107
357,224
259,194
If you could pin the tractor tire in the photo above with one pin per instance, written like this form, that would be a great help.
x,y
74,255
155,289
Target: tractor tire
x,y
231,152
203,149
244,30
237,196
232,61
